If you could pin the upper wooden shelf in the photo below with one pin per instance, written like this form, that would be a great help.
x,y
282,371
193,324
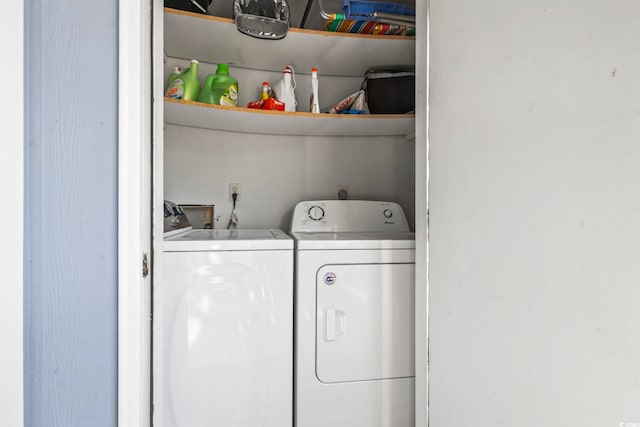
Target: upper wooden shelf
x,y
216,117
213,39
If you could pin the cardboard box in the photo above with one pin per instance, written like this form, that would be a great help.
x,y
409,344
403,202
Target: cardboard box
x,y
200,216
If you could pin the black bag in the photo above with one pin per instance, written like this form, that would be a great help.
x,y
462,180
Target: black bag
x,y
189,5
390,91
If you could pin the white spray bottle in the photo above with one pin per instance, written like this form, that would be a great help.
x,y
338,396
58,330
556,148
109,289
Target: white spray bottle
x,y
286,90
314,105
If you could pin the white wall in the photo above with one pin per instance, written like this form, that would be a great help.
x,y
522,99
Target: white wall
x,y
534,203
276,172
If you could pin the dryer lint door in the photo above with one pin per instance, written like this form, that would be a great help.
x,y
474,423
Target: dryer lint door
x,y
364,322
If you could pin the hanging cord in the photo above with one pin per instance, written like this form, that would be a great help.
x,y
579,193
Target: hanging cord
x,y
233,220
306,14
293,77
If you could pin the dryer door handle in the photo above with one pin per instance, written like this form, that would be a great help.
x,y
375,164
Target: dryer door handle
x,y
335,323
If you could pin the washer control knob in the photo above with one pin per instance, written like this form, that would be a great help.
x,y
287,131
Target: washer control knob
x,y
388,213
316,213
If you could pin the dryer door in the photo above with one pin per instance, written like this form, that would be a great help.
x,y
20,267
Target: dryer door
x,y
364,322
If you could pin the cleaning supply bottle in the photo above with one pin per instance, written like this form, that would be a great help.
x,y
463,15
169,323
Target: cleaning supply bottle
x,y
176,72
224,88
286,90
186,85
206,93
314,105
266,91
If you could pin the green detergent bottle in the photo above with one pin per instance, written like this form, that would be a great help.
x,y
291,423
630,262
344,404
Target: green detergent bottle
x,y
206,94
176,72
224,88
185,85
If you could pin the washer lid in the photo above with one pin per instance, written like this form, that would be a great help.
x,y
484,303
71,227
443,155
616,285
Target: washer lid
x,y
350,240
227,240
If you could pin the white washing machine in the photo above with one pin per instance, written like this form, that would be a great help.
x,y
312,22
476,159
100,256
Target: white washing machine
x,y
354,337
225,309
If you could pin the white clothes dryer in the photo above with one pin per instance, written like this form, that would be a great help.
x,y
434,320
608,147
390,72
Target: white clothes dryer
x,y
224,351
354,314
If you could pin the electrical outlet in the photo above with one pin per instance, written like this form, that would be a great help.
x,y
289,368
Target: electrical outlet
x,y
234,188
342,191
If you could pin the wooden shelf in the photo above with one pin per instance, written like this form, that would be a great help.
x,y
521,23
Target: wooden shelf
x,y
246,120
212,39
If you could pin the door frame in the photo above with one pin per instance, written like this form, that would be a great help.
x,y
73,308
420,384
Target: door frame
x,y
134,212
422,215
135,206
12,195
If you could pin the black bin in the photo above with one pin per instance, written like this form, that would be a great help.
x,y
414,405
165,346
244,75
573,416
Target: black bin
x,y
188,5
390,91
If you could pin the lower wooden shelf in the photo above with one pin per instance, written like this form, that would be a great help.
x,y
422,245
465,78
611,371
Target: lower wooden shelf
x,y
246,120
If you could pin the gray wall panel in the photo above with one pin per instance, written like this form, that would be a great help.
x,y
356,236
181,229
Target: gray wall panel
x,y
71,213
534,112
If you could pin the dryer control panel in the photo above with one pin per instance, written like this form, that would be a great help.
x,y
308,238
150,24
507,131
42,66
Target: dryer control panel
x,y
334,216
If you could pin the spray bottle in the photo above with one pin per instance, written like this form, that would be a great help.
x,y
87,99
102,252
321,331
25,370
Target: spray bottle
x,y
286,91
314,105
185,85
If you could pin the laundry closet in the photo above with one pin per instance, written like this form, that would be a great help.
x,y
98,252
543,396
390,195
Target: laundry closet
x,y
280,159
203,153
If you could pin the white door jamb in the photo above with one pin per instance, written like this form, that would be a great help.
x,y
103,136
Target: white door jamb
x,y
12,196
134,213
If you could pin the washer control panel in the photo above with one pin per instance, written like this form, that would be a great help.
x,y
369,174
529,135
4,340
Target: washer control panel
x,y
348,216
316,213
